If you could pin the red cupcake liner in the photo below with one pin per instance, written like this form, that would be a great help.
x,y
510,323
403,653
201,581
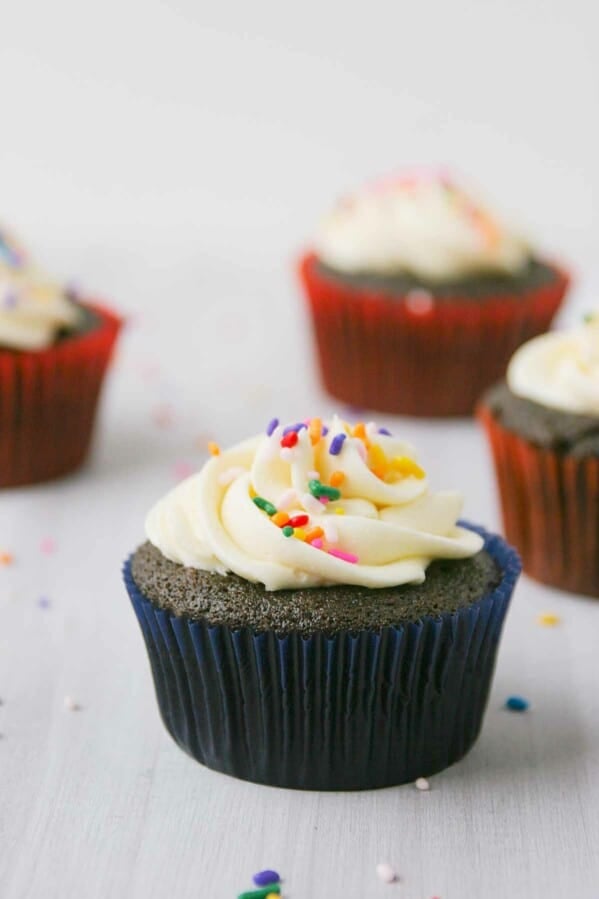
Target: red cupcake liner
x,y
48,403
549,504
424,359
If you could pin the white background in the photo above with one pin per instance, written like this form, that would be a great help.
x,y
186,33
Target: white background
x,y
173,157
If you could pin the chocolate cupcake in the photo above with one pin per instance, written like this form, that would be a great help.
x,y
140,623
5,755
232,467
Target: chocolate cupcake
x,y
314,615
419,297
543,427
54,351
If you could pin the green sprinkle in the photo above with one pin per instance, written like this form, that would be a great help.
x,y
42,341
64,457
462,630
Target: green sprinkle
x,y
265,505
589,317
288,530
317,489
261,893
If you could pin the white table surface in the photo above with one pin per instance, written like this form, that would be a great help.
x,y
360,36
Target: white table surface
x,y
101,803
172,154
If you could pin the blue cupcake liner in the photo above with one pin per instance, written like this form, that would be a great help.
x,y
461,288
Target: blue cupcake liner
x,y
341,711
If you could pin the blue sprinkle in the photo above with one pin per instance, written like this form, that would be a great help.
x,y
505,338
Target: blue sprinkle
x,y
298,427
272,424
266,878
385,432
517,704
336,444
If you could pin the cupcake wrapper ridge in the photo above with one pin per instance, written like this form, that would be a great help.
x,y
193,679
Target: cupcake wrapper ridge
x,y
383,352
48,403
549,504
344,711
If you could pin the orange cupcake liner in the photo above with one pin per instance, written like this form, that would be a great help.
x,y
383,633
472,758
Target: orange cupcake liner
x,y
48,402
400,355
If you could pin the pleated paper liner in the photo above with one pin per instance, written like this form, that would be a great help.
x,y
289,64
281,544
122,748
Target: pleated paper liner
x,y
381,352
48,402
550,507
340,711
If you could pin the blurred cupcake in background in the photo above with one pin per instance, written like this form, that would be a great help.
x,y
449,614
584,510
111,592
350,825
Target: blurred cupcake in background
x,y
419,296
54,351
543,427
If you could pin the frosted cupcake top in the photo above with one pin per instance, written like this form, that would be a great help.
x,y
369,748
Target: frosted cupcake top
x,y
560,369
418,223
308,505
33,309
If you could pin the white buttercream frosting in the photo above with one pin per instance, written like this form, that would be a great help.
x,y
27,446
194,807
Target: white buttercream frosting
x,y
33,309
382,530
560,369
418,223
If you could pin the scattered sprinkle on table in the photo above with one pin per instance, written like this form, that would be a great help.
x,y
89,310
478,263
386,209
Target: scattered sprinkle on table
x,y
6,558
517,704
182,470
386,873
273,889
548,619
43,602
47,546
71,704
163,416
266,878
213,448
421,783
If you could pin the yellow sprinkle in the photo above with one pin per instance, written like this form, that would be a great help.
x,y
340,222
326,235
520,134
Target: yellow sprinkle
x,y
315,430
407,467
280,519
337,478
549,619
339,511
377,461
299,533
213,448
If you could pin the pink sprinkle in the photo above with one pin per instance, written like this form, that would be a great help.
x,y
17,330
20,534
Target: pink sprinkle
x,y
361,448
314,474
346,557
324,500
316,543
419,302
47,546
182,470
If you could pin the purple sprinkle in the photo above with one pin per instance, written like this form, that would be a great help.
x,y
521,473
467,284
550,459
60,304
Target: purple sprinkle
x,y
385,432
10,300
297,427
43,602
324,431
266,878
336,444
272,424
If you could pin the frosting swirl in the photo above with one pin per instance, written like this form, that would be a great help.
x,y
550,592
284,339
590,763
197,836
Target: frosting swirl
x,y
307,506
560,369
33,309
421,224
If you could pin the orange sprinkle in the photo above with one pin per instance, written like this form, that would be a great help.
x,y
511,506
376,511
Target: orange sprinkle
x,y
315,430
359,430
213,448
299,533
407,467
314,534
6,558
337,478
280,519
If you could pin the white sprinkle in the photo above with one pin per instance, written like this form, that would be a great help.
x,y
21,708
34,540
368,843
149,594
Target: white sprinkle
x,y
421,783
71,704
386,873
419,302
312,505
314,475
359,445
330,531
227,477
287,454
287,499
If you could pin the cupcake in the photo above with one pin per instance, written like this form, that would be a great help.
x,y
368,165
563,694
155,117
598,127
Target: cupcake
x,y
419,296
314,614
543,428
54,351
